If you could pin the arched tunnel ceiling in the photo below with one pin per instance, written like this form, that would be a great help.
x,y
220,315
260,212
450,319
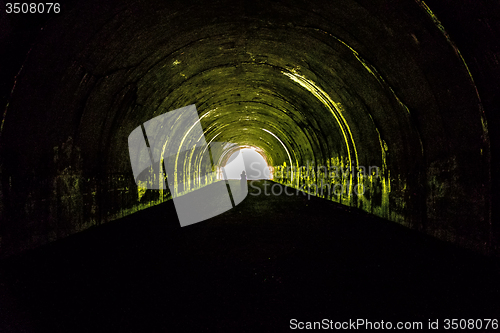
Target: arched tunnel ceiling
x,y
295,65
353,83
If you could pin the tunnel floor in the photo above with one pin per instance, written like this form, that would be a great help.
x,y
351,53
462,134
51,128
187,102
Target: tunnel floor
x,y
252,269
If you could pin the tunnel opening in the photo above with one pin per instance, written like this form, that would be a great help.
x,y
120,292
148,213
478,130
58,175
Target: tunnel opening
x,y
253,162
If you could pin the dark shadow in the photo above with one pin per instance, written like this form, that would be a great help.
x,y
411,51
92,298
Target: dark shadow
x,y
253,268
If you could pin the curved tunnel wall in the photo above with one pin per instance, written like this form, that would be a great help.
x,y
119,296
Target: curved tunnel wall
x,y
348,85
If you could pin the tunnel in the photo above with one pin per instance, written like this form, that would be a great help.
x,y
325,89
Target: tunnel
x,y
397,98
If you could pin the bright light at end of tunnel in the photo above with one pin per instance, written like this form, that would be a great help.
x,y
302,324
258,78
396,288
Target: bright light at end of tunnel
x,y
254,163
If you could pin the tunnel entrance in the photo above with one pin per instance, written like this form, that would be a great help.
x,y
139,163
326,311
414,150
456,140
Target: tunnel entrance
x,y
250,160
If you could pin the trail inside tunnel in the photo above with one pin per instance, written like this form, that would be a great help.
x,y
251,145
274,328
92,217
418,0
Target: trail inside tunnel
x,y
270,259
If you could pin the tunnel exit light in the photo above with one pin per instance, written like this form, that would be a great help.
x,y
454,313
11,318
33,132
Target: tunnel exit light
x,y
253,162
